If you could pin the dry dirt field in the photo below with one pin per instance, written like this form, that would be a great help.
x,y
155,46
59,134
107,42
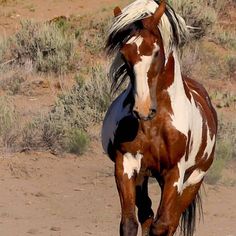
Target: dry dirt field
x,y
43,194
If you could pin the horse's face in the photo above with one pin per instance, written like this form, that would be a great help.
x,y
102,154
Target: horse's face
x,y
144,55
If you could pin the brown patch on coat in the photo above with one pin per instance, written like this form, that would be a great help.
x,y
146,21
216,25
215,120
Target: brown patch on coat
x,y
147,46
130,52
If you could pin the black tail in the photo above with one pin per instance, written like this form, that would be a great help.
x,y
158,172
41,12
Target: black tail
x,y
188,219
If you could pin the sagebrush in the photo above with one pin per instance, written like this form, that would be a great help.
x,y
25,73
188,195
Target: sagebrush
x,y
43,45
73,115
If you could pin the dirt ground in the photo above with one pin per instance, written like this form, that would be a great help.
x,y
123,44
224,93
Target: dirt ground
x,y
43,194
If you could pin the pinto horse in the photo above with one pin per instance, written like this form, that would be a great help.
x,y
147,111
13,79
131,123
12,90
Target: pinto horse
x,y
162,125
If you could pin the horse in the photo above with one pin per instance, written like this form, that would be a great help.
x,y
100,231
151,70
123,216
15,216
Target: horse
x,y
162,125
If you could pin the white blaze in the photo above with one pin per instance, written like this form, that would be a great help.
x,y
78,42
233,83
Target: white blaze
x,y
141,69
132,163
141,79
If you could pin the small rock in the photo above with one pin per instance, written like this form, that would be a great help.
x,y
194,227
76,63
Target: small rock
x,y
39,194
32,231
54,228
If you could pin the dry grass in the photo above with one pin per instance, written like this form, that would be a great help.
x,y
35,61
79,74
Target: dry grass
x,y
66,126
225,150
199,14
9,124
214,45
43,47
12,82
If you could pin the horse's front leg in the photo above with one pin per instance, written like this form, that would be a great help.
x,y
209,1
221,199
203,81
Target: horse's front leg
x,y
126,188
168,214
144,204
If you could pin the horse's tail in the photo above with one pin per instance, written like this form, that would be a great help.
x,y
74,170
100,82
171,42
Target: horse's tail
x,y
188,218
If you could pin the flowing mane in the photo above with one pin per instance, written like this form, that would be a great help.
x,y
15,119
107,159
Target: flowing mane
x,y
172,27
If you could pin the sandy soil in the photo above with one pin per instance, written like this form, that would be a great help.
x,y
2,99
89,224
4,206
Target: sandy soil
x,y
15,11
42,194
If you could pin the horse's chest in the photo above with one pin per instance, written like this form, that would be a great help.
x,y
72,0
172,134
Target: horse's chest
x,y
151,143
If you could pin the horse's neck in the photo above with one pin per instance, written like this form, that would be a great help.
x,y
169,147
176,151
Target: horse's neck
x,y
176,89
180,107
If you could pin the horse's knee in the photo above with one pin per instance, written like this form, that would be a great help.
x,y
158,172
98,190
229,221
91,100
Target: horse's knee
x,y
128,227
145,214
161,228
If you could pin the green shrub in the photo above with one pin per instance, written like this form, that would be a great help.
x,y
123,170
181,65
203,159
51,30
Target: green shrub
x,y
76,141
88,100
198,14
9,123
215,172
93,36
218,5
3,45
190,58
231,63
67,125
12,83
224,37
225,151
223,154
46,132
45,45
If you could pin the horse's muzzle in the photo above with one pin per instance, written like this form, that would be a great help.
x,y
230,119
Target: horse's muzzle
x,y
151,114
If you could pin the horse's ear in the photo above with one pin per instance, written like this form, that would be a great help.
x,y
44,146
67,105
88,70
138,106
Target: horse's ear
x,y
117,11
152,21
159,12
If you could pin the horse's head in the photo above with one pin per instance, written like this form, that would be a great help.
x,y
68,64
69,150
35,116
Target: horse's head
x,y
145,57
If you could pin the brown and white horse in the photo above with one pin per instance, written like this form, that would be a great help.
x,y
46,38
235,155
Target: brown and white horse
x,y
163,125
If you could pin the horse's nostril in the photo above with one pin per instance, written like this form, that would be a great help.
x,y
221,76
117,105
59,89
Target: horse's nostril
x,y
136,114
153,110
152,113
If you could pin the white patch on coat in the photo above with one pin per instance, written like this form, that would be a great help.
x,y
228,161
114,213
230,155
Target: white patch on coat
x,y
210,144
132,163
186,117
137,40
182,169
194,178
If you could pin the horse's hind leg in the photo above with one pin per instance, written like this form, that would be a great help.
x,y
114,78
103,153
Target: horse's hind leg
x,y
144,204
126,189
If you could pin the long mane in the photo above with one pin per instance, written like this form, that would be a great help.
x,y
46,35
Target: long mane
x,y
172,28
